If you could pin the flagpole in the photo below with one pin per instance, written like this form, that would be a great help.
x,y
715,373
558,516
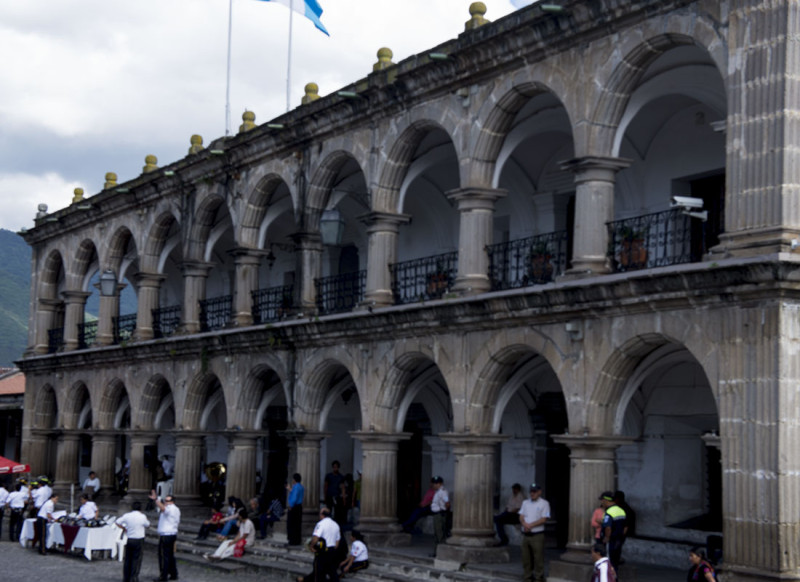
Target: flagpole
x,y
228,82
289,59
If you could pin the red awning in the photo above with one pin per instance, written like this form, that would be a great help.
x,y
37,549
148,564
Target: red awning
x,y
9,466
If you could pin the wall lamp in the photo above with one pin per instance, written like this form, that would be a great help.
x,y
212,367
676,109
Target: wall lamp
x,y
108,283
331,227
553,8
438,56
348,94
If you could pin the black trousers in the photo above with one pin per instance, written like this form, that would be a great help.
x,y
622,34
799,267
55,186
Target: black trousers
x,y
326,567
41,533
294,523
167,566
15,524
133,560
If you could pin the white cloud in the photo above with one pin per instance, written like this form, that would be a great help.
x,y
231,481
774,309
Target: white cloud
x,y
22,193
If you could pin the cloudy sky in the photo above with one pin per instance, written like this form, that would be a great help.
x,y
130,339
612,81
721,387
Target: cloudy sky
x,y
92,86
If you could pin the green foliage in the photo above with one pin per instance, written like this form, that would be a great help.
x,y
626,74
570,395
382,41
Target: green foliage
x,y
15,283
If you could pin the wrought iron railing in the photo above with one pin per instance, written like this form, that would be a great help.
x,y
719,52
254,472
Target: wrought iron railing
x,y
272,304
87,334
424,279
528,261
215,313
124,326
654,240
166,320
55,340
340,293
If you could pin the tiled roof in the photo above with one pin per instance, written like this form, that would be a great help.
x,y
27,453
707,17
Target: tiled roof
x,y
12,382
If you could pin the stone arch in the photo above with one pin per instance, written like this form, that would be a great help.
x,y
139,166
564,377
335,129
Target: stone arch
x,y
387,195
153,394
197,398
85,257
616,91
319,188
249,410
118,247
494,130
77,396
327,370
256,207
51,274
202,225
46,408
114,396
156,242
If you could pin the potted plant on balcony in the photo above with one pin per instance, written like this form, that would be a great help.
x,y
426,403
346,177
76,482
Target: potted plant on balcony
x,y
633,254
438,281
539,263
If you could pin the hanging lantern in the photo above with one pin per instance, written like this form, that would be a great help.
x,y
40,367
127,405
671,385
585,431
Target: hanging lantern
x,y
331,227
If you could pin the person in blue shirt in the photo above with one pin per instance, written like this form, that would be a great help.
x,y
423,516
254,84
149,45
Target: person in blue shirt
x,y
294,505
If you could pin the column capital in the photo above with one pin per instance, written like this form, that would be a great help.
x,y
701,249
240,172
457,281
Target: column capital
x,y
247,255
379,440
148,279
103,436
75,296
593,447
196,268
307,240
465,441
299,434
476,198
595,167
384,221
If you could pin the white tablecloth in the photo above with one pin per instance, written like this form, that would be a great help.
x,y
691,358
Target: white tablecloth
x,y
89,538
28,532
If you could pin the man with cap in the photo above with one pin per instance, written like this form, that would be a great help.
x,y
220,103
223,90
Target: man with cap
x,y
533,514
44,517
440,505
328,532
614,527
16,505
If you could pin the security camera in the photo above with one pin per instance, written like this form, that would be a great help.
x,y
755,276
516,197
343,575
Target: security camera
x,y
687,202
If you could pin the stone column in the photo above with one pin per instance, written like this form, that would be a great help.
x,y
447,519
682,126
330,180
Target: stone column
x,y
46,319
148,285
309,267
188,462
104,446
35,452
476,212
140,478
379,487
472,500
382,229
306,456
67,462
73,315
241,474
109,309
195,274
247,262
592,471
594,207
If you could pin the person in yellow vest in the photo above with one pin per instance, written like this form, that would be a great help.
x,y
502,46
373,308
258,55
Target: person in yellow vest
x,y
614,526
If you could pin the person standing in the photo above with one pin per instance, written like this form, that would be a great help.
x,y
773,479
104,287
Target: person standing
x,y
332,487
326,561
16,505
44,517
603,571
294,516
510,515
533,514
440,505
615,527
168,522
134,523
3,501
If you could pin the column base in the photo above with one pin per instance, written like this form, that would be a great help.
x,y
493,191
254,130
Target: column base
x,y
472,285
568,571
384,532
472,554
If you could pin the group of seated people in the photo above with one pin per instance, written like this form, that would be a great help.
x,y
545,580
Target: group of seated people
x,y
224,524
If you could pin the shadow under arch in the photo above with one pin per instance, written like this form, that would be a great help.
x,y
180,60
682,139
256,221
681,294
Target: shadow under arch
x,y
195,408
262,197
319,189
46,408
263,385
114,396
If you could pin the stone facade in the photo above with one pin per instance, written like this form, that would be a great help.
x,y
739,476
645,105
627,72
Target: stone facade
x,y
512,299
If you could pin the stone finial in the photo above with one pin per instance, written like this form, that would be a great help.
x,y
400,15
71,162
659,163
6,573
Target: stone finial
x,y
476,11
312,93
384,59
150,164
196,142
111,181
249,119
42,208
77,195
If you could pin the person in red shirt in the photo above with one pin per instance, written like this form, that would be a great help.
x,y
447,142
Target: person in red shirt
x,y
422,510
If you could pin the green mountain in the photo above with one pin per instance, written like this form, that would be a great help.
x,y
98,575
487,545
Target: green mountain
x,y
15,285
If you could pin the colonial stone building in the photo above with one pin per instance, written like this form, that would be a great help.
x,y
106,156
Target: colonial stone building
x,y
558,248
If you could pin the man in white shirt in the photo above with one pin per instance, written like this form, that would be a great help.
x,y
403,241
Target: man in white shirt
x,y
439,508
168,522
42,493
3,501
325,558
134,523
44,517
88,509
91,486
16,504
533,514
510,515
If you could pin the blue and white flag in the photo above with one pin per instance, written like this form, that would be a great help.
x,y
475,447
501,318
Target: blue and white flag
x,y
308,8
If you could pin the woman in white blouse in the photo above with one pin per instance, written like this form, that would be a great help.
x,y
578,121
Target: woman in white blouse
x,y
245,537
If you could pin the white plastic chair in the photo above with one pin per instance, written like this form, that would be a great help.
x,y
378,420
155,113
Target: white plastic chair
x,y
122,539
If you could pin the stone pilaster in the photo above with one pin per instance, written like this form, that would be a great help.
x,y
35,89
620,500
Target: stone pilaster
x,y
379,487
104,446
109,309
309,267
195,274
247,262
382,229
476,215
241,474
35,450
472,503
594,207
188,463
75,303
592,471
148,285
67,462
762,199
140,478
46,319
